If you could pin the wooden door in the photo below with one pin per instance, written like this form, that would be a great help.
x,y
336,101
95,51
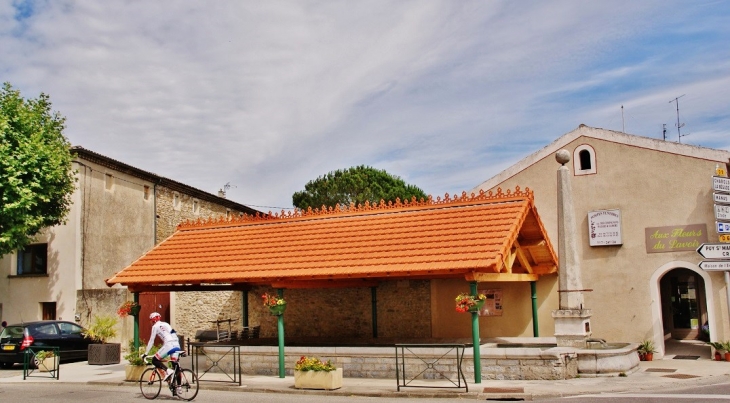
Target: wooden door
x,y
152,302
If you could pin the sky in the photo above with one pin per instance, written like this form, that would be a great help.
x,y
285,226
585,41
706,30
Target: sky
x,y
261,97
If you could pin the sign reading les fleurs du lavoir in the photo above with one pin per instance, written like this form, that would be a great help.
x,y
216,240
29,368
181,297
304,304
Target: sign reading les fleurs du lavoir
x,y
675,238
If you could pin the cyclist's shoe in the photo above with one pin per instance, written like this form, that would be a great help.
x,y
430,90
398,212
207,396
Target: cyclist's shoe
x,y
170,373
178,390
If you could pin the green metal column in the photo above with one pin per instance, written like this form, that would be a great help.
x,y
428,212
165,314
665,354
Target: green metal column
x,y
475,337
136,323
280,318
535,327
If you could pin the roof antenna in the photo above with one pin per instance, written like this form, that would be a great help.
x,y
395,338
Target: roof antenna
x,y
664,131
222,192
623,126
679,126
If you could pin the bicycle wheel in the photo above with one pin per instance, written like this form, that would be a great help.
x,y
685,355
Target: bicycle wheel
x,y
188,387
150,383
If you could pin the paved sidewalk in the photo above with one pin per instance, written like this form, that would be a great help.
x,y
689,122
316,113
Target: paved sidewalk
x,y
660,375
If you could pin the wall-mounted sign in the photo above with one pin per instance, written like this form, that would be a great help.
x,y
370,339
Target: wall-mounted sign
x,y
722,212
675,238
715,265
604,227
724,238
493,305
722,227
721,198
720,184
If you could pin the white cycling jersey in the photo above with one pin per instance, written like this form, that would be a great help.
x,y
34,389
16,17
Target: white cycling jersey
x,y
164,331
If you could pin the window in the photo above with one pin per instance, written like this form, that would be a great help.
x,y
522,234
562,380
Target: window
x,y
108,181
584,160
196,206
48,310
176,202
70,329
146,192
33,259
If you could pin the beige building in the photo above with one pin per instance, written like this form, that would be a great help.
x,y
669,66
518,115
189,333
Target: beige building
x,y
119,212
643,206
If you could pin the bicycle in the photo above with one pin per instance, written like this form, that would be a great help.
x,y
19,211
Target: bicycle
x,y
183,384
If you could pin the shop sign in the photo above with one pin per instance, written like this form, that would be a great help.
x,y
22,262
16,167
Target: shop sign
x,y
604,227
675,238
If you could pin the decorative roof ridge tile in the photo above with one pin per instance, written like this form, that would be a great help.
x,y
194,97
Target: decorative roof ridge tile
x,y
352,209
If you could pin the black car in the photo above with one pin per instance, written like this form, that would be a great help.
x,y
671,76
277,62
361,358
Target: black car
x,y
67,336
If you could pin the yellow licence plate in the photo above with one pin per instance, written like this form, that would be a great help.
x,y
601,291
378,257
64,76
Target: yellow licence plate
x,y
9,348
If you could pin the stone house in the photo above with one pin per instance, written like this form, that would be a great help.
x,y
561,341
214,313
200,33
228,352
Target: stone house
x,y
118,213
643,206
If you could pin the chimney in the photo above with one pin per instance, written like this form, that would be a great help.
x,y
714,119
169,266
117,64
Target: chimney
x,y
221,193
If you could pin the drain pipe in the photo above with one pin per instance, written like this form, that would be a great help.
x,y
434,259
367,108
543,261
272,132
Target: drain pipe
x,y
535,325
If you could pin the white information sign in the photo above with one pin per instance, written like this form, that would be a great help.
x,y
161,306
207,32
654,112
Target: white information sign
x,y
722,227
493,305
604,227
715,265
721,198
714,250
720,184
722,212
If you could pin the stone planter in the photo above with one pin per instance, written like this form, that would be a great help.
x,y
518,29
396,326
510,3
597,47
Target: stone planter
x,y
48,364
318,379
105,354
133,372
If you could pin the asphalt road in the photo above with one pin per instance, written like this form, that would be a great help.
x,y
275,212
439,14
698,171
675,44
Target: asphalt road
x,y
707,394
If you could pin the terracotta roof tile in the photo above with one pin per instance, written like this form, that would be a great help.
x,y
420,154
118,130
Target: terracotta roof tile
x,y
449,237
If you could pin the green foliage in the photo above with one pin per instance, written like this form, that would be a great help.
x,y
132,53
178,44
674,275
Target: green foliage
x,y
646,347
36,181
134,356
102,328
717,345
43,354
355,185
313,364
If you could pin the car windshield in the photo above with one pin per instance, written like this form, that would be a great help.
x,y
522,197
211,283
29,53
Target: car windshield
x,y
12,331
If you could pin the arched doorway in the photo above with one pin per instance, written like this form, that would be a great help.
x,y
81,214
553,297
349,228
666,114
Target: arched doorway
x,y
680,303
684,308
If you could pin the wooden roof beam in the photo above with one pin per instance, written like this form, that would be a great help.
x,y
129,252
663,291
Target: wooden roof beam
x,y
522,258
501,277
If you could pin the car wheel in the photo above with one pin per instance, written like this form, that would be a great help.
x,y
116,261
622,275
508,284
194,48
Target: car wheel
x,y
6,365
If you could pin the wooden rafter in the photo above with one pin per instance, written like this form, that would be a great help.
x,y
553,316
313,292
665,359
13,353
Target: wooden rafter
x,y
500,277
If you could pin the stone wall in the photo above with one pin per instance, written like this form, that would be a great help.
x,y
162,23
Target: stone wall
x,y
379,362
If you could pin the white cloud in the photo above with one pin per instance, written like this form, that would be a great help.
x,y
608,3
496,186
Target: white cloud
x,y
269,95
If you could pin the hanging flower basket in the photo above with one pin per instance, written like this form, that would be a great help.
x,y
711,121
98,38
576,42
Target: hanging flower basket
x,y
129,308
276,305
470,303
277,310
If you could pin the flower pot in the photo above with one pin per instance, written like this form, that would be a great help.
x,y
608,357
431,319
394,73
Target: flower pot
x,y
727,356
133,372
277,310
318,379
48,364
134,311
104,354
478,306
719,356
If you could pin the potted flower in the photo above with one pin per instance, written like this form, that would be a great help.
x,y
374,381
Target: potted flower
x,y
646,350
312,373
276,305
102,329
719,348
469,303
46,360
128,308
726,348
133,370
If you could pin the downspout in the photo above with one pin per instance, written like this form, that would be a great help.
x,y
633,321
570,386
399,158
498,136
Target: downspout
x,y
475,338
136,323
535,327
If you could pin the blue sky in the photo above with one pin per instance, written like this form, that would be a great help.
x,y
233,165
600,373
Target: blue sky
x,y
445,94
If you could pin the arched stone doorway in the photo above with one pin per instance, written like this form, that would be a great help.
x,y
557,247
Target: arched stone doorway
x,y
680,303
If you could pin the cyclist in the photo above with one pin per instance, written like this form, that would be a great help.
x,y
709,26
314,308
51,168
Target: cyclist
x,y
170,346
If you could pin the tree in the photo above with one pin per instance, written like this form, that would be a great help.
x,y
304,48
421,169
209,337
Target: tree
x,y
354,185
36,180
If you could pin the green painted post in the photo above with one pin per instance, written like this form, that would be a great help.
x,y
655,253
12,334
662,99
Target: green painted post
x,y
535,327
136,323
282,370
475,338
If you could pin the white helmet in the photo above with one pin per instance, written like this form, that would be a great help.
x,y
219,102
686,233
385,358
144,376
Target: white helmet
x,y
154,315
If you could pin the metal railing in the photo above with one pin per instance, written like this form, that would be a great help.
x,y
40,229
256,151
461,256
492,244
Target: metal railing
x,y
429,362
213,356
46,368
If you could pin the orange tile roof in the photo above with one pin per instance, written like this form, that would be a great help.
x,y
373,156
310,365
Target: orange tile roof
x,y
468,236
